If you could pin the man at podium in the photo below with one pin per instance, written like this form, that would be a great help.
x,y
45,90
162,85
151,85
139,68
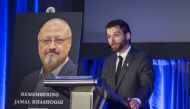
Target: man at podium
x,y
54,43
128,72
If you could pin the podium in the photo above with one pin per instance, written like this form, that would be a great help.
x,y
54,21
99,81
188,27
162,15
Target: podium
x,y
87,92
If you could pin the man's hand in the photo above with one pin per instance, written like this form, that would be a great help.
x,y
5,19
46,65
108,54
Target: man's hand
x,y
133,103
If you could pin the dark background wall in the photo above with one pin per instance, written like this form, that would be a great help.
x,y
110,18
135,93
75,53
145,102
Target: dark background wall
x,y
160,28
158,49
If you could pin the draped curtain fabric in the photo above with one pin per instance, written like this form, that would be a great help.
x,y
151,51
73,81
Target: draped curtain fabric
x,y
172,84
8,10
3,49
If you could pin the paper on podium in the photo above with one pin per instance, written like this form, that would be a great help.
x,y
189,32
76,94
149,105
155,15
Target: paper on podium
x,y
115,95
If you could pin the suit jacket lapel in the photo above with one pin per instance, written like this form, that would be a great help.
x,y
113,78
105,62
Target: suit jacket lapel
x,y
112,70
125,67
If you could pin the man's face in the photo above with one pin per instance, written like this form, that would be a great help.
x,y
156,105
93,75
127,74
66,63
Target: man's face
x,y
54,43
116,38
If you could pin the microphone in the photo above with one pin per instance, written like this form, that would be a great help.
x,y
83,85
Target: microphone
x,y
50,10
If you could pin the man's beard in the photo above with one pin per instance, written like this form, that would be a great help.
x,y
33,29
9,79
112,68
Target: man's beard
x,y
51,59
119,46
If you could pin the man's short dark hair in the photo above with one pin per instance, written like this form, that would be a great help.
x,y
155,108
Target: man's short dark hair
x,y
121,23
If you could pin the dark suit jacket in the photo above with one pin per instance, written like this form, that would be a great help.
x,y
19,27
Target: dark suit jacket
x,y
136,78
30,82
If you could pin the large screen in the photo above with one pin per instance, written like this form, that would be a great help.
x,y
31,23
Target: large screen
x,y
149,20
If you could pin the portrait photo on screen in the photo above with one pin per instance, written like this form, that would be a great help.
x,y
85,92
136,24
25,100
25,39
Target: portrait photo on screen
x,y
44,45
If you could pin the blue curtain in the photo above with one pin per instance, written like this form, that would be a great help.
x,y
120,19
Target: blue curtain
x,y
21,7
3,50
172,82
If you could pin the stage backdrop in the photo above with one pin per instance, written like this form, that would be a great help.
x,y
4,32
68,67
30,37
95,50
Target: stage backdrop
x,y
24,53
